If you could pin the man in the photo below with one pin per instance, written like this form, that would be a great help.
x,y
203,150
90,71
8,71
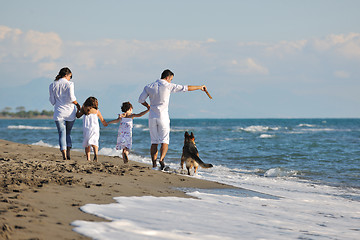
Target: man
x,y
159,121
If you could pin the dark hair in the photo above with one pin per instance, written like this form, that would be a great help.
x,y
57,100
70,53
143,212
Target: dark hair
x,y
166,73
126,106
91,102
62,73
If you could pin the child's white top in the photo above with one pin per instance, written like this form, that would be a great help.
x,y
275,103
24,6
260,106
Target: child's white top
x,y
91,130
62,97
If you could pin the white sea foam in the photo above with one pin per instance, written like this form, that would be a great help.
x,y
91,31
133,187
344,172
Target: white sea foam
x,y
180,130
277,206
266,136
279,172
118,153
44,144
257,128
30,127
109,152
231,139
277,209
139,125
306,125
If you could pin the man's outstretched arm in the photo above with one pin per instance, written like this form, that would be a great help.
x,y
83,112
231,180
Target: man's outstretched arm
x,y
193,88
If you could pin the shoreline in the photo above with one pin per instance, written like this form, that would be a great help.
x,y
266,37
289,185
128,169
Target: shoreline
x,y
41,194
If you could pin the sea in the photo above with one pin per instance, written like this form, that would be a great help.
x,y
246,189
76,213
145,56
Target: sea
x,y
296,179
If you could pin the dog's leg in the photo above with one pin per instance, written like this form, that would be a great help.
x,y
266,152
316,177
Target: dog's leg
x,y
188,170
195,168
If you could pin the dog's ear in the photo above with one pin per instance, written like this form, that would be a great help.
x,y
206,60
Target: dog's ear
x,y
192,135
186,134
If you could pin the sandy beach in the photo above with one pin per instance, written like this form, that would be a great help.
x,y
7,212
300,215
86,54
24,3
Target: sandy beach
x,y
41,194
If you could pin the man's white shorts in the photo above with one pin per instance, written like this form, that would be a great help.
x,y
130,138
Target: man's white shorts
x,y
159,130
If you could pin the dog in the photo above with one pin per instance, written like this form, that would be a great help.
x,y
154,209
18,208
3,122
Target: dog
x,y
190,155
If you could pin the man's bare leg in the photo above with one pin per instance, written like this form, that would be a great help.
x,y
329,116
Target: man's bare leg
x,y
154,153
163,150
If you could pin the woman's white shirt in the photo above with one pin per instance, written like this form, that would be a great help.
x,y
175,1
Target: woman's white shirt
x,y
62,97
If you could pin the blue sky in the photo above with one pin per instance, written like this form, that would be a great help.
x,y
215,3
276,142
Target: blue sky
x,y
259,59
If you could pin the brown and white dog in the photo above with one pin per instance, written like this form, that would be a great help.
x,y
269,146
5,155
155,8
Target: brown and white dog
x,y
190,155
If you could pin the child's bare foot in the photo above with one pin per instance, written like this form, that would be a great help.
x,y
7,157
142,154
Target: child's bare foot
x,y
125,157
95,158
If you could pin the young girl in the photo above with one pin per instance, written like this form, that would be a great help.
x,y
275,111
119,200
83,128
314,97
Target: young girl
x,y
124,139
91,128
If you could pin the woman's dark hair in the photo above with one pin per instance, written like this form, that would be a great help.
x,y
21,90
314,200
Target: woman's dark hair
x,y
126,106
91,102
62,73
166,73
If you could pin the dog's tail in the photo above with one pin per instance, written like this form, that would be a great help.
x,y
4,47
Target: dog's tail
x,y
201,163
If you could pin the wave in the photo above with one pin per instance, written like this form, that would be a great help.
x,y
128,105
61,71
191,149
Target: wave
x,y
306,125
180,130
44,144
266,136
136,125
257,128
112,152
231,139
30,127
280,172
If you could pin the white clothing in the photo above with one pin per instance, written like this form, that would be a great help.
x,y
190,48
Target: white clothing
x,y
159,95
91,130
124,139
159,130
62,97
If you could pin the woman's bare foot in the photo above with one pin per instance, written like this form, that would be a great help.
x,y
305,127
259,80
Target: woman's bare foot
x,y
68,153
63,152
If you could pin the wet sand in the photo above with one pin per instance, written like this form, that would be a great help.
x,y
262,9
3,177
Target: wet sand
x,y
41,194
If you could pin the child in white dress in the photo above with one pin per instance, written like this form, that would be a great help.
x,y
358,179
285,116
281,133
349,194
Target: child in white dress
x,y
91,128
124,139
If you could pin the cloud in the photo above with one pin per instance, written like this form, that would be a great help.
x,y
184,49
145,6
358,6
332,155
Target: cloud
x,y
341,74
39,46
31,46
347,46
117,61
248,66
284,48
117,68
50,67
9,33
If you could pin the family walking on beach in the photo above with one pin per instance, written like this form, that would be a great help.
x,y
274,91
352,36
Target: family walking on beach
x,y
66,109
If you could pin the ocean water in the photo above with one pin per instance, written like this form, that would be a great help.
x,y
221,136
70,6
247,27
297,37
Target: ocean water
x,y
299,178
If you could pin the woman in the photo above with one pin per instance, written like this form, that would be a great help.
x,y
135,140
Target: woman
x,y
63,98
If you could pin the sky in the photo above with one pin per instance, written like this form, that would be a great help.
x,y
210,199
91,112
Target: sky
x,y
258,59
